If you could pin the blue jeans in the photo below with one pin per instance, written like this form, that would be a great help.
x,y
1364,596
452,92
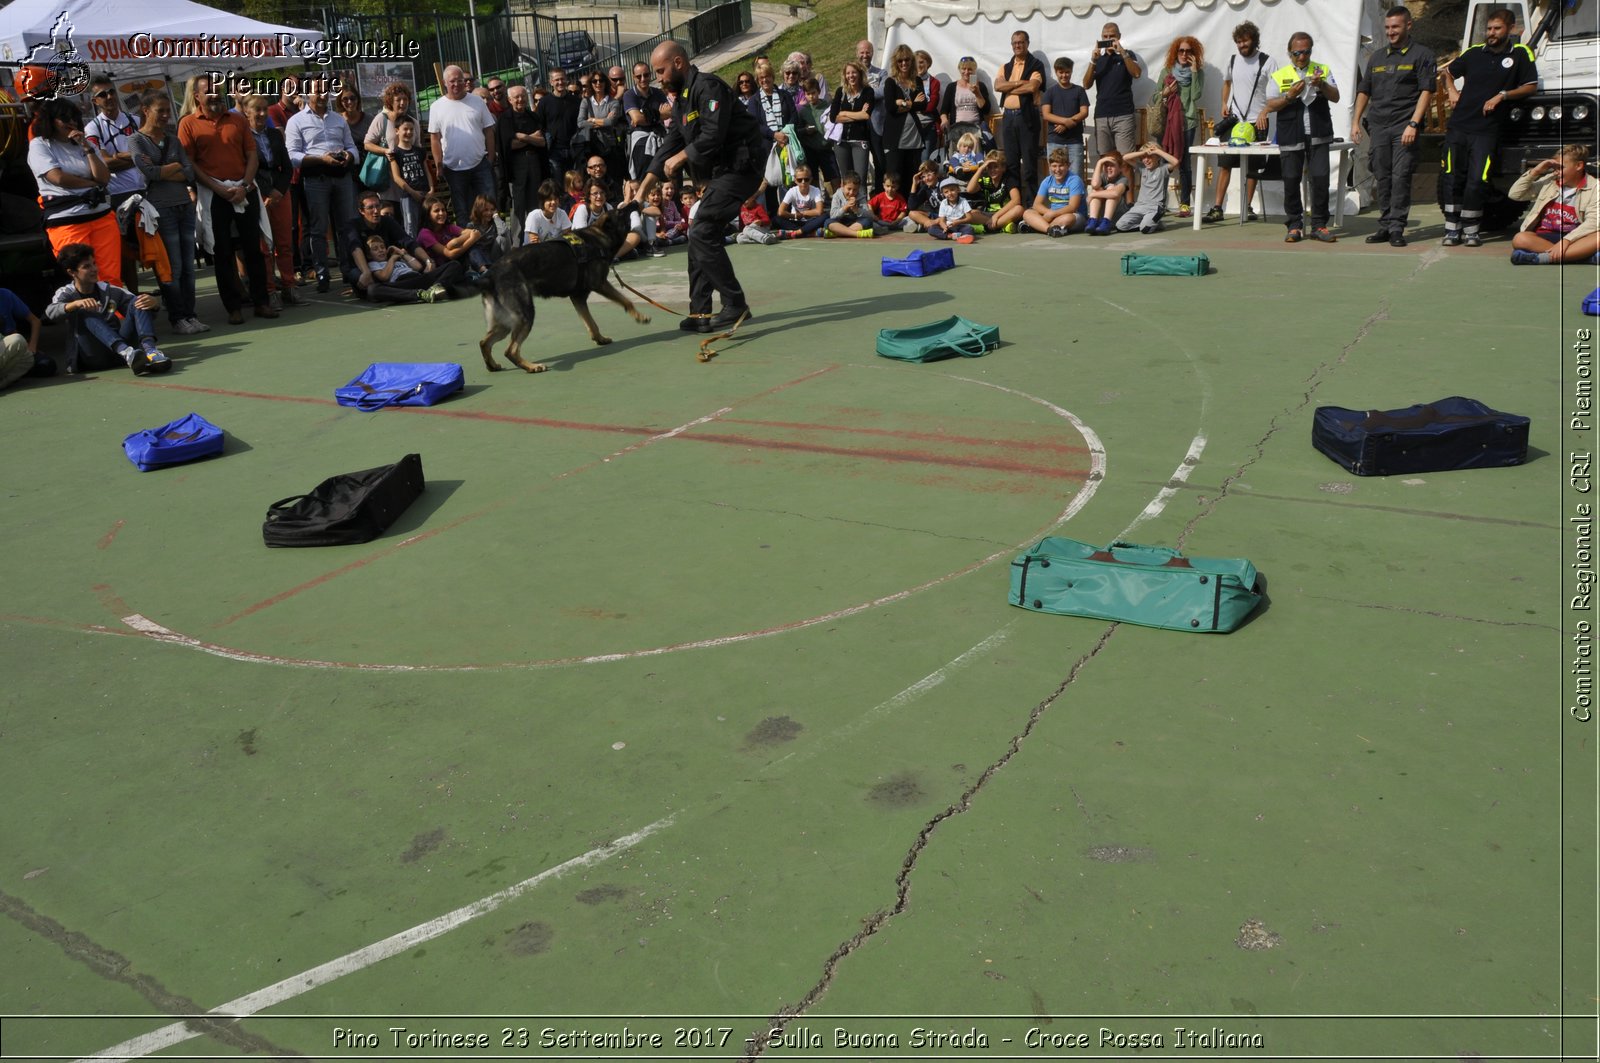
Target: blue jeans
x,y
467,185
328,199
98,339
176,229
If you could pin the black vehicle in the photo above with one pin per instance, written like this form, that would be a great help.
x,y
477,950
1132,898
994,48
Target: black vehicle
x,y
571,50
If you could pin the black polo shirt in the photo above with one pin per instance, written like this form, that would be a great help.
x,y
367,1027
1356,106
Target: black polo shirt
x,y
1393,80
1488,74
1113,85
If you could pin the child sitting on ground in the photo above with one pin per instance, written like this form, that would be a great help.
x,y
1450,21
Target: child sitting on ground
x,y
480,233
998,199
1058,207
955,218
966,159
674,225
801,213
1145,214
754,225
922,202
890,205
90,306
574,183
849,215
548,221
1108,190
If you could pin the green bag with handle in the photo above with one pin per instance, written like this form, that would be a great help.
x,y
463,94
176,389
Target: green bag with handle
x,y
1148,585
952,337
1165,265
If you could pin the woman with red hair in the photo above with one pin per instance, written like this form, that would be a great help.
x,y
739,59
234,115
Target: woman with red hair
x,y
1183,82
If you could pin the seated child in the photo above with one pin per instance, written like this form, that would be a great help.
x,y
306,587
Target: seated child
x,y
955,218
801,213
850,215
754,225
1108,190
1058,207
890,205
574,182
91,307
397,275
548,221
999,201
922,202
1145,214
481,235
674,225
966,160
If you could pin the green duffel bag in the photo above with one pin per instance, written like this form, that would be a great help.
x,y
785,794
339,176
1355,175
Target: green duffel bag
x,y
1165,265
1149,585
939,339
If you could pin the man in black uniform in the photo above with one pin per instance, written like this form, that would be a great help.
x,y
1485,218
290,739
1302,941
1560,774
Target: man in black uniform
x,y
1391,100
718,141
1493,73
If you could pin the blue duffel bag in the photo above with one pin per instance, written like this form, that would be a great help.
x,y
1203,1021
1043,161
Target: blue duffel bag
x,y
401,384
920,263
186,439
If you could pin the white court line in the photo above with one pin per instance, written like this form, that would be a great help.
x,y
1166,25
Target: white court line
x,y
362,958
1179,475
658,437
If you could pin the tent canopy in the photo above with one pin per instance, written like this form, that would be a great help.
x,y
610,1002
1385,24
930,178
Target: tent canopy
x,y
949,29
123,35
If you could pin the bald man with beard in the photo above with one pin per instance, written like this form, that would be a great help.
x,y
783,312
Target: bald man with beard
x,y
715,140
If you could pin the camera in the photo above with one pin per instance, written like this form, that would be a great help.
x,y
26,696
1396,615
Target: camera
x,y
1104,45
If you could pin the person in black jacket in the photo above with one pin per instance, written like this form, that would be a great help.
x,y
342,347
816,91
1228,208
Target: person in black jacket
x,y
718,142
558,112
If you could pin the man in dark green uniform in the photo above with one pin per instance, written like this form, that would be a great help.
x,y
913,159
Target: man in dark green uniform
x,y
1391,100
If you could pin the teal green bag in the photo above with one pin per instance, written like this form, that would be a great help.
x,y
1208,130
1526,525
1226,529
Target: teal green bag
x,y
939,339
1165,265
1149,585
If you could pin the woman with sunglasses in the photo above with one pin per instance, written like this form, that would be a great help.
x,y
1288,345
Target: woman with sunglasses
x,y
1183,83
600,124
744,86
72,178
851,110
966,102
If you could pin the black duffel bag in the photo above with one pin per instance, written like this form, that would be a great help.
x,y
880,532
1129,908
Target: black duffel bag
x,y
353,507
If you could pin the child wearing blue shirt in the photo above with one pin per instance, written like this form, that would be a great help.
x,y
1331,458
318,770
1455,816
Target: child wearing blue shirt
x,y
1058,207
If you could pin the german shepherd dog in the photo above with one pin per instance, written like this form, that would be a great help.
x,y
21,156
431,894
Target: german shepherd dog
x,y
574,266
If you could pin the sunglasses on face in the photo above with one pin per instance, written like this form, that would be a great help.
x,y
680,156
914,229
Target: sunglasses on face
x,y
104,94
1301,53
1185,51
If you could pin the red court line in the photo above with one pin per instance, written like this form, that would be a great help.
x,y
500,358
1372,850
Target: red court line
x,y
921,437
918,457
105,540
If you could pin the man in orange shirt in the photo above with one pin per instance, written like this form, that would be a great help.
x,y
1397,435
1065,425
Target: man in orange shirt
x,y
225,159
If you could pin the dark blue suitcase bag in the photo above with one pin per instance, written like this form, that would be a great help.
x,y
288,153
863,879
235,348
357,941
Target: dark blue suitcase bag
x,y
1453,433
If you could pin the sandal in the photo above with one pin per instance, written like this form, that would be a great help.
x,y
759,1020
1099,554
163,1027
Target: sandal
x,y
1293,236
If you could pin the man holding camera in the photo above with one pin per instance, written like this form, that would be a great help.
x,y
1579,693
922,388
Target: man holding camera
x,y
1114,68
322,149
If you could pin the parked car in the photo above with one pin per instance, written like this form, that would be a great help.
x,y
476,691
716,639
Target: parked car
x,y
571,50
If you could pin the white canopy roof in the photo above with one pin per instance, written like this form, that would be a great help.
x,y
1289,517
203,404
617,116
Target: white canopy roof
x,y
123,34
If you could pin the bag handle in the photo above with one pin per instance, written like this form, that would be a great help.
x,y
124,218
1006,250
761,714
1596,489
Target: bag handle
x,y
963,345
374,399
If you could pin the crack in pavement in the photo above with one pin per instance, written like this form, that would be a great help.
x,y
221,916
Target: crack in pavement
x,y
1314,381
1432,612
116,967
876,922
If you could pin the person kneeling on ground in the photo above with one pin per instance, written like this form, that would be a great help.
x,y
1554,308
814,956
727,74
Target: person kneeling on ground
x,y
1145,214
1058,207
91,307
955,218
1562,224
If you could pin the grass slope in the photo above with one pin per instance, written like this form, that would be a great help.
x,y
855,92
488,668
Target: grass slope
x,y
830,38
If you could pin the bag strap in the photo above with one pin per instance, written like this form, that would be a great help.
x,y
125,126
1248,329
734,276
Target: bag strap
x,y
374,399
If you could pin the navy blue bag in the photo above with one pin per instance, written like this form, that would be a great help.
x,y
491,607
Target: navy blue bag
x,y
186,439
401,384
920,263
1453,433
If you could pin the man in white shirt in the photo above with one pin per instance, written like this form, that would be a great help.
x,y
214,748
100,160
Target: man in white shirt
x,y
461,135
321,147
1246,81
108,132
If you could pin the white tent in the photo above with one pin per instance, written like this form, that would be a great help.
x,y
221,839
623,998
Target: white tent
x,y
130,36
949,29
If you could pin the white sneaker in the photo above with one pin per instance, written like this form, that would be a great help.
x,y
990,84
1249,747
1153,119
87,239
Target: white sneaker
x,y
198,325
185,327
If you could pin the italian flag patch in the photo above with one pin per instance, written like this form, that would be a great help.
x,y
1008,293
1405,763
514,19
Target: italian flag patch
x,y
714,106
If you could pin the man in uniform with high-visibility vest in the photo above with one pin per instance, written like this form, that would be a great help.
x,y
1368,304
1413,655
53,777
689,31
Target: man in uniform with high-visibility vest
x,y
1300,93
1493,74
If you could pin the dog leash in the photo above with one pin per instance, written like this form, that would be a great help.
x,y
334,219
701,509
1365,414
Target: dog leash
x,y
706,352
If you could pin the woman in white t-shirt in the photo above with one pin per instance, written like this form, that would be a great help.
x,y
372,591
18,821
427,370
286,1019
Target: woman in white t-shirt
x,y
72,180
548,221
